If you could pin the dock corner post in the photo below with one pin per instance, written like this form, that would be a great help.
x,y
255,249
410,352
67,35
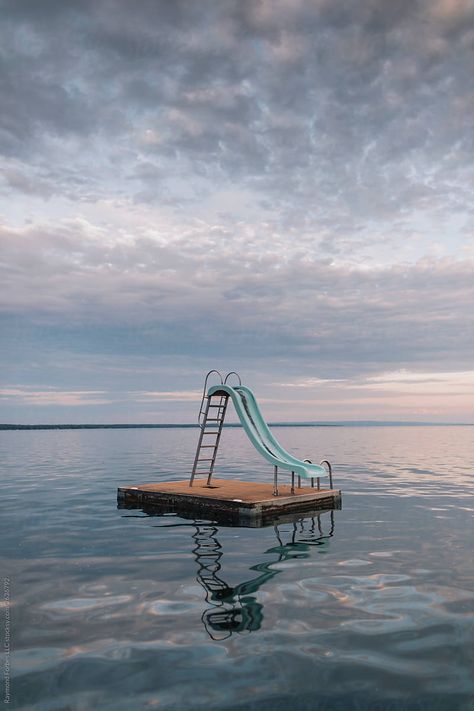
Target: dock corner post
x,y
275,481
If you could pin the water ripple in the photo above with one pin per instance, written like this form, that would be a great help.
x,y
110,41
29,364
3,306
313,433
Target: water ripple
x,y
117,609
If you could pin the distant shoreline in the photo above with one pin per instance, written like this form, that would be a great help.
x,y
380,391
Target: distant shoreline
x,y
348,423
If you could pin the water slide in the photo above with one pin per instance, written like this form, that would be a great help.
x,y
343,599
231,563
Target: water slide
x,y
260,435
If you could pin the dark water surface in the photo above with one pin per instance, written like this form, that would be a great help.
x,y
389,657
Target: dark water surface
x,y
371,607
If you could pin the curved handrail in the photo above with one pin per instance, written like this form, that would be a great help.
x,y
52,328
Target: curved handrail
x,y
210,373
232,372
204,392
325,461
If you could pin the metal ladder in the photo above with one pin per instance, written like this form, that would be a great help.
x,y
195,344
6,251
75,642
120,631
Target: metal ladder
x,y
211,421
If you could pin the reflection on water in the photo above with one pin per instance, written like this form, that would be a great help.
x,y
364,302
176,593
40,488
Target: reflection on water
x,y
235,608
117,609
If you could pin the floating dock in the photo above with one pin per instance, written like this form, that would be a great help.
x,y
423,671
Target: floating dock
x,y
245,503
229,500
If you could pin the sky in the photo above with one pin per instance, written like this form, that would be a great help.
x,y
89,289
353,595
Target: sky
x,y
278,187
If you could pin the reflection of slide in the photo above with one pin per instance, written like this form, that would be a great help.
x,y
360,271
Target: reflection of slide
x,y
236,608
259,434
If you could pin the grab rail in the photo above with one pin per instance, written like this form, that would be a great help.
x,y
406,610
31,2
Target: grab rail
x,y
232,372
204,395
325,461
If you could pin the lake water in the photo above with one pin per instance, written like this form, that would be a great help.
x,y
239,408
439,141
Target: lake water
x,y
368,607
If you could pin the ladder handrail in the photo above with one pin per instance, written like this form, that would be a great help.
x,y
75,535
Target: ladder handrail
x,y
232,372
204,392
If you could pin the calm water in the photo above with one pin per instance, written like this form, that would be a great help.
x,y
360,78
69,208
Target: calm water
x,y
371,607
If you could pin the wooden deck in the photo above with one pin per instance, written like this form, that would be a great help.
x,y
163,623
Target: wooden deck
x,y
229,499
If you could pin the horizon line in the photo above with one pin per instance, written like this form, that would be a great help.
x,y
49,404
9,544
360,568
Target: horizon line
x,y
189,425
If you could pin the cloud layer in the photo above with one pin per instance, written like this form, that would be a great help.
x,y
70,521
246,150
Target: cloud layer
x,y
283,187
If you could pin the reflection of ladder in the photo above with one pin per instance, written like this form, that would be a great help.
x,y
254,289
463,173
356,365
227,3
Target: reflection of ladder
x,y
208,554
229,612
211,423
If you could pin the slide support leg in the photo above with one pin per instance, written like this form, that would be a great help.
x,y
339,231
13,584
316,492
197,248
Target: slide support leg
x,y
275,481
292,482
299,482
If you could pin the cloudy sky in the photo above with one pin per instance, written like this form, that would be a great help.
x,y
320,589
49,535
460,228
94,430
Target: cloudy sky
x,y
280,187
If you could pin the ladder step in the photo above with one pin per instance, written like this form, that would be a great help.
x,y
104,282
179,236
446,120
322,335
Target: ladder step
x,y
211,433
214,419
207,446
206,460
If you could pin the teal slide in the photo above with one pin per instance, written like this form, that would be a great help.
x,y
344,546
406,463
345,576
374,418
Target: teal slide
x,y
259,434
